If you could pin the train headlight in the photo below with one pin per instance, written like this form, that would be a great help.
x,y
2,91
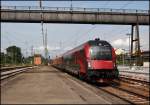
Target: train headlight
x,y
114,65
89,65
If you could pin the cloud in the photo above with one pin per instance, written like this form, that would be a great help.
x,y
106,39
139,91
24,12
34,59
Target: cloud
x,y
51,48
55,50
119,51
68,48
3,50
121,42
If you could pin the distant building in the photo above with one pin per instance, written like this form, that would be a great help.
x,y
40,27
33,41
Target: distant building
x,y
145,58
119,51
37,59
127,59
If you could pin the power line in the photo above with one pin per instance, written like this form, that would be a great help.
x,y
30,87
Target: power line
x,y
9,41
14,37
85,33
74,35
76,40
107,2
126,4
121,31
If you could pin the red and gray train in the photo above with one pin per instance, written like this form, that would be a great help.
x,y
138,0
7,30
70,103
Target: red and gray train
x,y
94,60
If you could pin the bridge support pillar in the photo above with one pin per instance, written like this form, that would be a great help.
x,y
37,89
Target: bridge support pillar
x,y
135,46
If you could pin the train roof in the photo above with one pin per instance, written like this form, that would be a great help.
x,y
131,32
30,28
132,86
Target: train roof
x,y
90,42
97,42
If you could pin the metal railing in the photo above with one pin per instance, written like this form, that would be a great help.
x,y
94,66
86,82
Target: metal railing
x,y
9,72
134,69
75,9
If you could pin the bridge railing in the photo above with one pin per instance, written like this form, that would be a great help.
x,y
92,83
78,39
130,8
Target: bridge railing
x,y
75,9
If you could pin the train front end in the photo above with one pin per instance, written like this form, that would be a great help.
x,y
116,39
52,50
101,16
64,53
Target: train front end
x,y
101,62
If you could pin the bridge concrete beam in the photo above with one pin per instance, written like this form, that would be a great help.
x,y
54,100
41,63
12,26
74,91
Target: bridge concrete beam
x,y
33,16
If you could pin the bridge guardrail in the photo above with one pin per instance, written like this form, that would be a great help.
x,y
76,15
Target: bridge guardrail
x,y
75,9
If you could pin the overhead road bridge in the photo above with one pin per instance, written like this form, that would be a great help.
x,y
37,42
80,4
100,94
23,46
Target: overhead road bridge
x,y
35,14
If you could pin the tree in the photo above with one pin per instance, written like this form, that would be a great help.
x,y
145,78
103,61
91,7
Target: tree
x,y
2,58
14,54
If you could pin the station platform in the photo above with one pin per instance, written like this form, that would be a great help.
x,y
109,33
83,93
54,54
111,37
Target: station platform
x,y
47,85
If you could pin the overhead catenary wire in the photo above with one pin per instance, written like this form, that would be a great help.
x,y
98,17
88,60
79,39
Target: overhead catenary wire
x,y
7,38
107,2
88,31
125,5
78,33
119,32
91,29
13,39
69,40
82,35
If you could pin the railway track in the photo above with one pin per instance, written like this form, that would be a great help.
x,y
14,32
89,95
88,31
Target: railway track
x,y
129,89
126,92
134,80
9,72
125,95
132,88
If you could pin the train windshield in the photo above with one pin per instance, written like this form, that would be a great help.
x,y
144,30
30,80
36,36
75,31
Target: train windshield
x,y
100,53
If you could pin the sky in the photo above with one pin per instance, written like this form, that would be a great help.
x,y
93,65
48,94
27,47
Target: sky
x,y
63,37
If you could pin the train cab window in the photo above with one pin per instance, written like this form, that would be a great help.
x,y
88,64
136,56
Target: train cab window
x,y
100,53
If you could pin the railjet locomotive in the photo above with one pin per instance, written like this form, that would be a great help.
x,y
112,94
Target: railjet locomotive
x,y
94,60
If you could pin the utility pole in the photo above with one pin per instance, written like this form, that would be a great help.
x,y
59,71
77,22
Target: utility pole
x,y
26,49
123,56
44,36
135,40
32,54
60,47
4,59
46,50
71,5
31,50
26,52
129,49
40,3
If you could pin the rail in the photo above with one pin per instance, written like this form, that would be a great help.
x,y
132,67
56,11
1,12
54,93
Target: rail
x,y
12,68
9,72
130,90
135,78
75,9
126,93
